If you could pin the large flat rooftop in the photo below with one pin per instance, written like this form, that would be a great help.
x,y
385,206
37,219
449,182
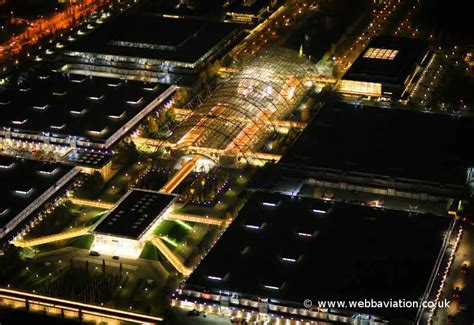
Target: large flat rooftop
x,y
396,143
24,181
289,249
154,37
387,59
71,106
134,214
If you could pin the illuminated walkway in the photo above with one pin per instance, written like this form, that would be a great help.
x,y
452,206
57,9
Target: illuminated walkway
x,y
152,142
198,219
276,123
52,238
180,175
171,257
73,309
206,151
314,79
172,216
92,203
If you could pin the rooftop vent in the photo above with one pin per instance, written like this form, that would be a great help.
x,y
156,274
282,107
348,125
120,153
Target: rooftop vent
x,y
78,111
19,121
41,107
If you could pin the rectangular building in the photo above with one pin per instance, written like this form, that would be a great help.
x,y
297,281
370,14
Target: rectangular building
x,y
155,47
388,67
273,257
45,108
124,230
396,152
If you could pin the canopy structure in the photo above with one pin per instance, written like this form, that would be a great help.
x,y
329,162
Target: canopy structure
x,y
241,109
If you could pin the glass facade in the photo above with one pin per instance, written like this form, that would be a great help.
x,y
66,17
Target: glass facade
x,y
360,87
380,54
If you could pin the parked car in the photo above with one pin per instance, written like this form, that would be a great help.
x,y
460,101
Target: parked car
x,y
465,268
456,293
193,312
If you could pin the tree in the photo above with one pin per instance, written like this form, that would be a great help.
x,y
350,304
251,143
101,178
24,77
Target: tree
x,y
152,125
10,260
127,153
203,76
305,115
181,97
91,187
226,61
170,115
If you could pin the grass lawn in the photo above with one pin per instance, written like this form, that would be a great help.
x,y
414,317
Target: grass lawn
x,y
149,252
172,232
83,242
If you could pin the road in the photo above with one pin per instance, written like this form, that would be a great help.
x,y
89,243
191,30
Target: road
x,y
180,317
271,29
463,307
42,27
380,17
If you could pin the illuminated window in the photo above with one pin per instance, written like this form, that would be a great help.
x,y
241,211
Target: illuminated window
x,y
360,87
380,54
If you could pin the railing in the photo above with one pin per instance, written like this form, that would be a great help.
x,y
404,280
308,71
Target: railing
x,y
79,308
51,238
92,203
195,218
170,256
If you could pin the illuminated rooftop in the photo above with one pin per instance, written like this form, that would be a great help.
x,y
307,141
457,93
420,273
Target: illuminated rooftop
x,y
240,110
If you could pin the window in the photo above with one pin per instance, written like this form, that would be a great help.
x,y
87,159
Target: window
x,y
360,87
380,54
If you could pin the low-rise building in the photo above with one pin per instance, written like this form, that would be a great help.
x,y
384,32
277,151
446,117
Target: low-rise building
x,y
124,230
388,67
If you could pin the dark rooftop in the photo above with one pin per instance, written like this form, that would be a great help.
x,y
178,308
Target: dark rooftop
x,y
88,158
397,65
201,9
248,6
22,182
310,249
134,214
90,108
154,37
397,143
